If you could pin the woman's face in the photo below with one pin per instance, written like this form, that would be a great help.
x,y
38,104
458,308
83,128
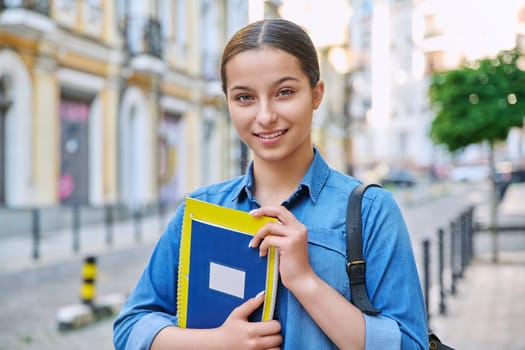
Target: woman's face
x,y
271,102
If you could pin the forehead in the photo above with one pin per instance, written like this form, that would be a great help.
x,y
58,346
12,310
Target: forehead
x,y
262,63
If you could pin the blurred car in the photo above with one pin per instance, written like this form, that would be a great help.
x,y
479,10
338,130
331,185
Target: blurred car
x,y
400,178
469,173
508,172
518,175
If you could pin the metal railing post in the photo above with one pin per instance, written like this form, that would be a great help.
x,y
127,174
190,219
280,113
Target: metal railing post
x,y
76,227
426,277
471,233
462,244
453,249
108,211
137,218
441,266
35,214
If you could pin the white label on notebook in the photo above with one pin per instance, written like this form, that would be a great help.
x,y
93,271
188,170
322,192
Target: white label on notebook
x,y
227,280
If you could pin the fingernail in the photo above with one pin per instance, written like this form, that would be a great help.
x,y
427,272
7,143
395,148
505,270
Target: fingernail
x,y
252,211
250,243
260,293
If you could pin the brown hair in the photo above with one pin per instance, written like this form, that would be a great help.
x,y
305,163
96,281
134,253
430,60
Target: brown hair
x,y
279,34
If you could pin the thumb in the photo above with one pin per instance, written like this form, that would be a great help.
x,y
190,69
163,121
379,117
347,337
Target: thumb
x,y
248,307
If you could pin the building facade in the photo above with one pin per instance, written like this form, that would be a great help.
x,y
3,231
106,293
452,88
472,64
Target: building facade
x,y
113,101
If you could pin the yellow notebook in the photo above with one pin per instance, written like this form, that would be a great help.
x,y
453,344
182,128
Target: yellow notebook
x,y
217,269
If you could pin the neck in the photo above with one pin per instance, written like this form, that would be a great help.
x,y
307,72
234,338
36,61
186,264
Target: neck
x,y
276,181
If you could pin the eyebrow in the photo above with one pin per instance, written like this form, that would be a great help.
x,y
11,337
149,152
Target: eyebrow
x,y
276,83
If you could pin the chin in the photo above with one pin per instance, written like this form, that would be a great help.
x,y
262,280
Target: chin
x,y
270,154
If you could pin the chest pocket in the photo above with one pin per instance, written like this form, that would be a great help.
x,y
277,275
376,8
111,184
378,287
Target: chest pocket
x,y
327,254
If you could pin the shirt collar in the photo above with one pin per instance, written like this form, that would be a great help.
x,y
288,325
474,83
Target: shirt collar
x,y
314,180
316,176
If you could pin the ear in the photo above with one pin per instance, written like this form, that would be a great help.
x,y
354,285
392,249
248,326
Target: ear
x,y
317,94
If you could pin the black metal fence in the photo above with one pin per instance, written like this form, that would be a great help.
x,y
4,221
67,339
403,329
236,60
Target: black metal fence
x,y
455,250
76,218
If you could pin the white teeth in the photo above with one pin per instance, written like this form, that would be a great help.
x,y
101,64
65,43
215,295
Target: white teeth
x,y
272,135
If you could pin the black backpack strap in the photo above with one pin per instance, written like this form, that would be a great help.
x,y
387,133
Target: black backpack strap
x,y
356,265
436,344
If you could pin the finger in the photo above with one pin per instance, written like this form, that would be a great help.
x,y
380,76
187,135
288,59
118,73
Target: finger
x,y
270,327
248,307
270,229
279,212
268,333
271,341
269,241
277,347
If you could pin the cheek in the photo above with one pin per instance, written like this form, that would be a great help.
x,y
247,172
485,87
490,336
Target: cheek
x,y
240,119
298,112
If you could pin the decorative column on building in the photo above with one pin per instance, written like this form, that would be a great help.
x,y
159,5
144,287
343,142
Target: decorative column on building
x,y
139,113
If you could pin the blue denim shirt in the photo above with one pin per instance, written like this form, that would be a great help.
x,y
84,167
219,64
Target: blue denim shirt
x,y
320,204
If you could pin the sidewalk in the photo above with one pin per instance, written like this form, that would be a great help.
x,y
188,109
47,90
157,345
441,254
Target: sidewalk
x,y
488,310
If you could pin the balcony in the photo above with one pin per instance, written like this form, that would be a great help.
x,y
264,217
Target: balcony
x,y
144,44
83,17
143,37
26,17
39,6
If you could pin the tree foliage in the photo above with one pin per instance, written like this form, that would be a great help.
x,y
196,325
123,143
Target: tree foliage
x,y
480,101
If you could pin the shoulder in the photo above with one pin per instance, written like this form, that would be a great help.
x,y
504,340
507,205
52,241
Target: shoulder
x,y
377,195
382,217
377,203
342,185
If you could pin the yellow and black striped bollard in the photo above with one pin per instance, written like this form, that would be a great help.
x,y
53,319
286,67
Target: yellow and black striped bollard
x,y
89,275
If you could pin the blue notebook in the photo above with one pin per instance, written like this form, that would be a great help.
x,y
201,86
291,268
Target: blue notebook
x,y
217,269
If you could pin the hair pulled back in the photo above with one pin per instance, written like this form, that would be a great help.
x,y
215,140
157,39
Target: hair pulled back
x,y
275,33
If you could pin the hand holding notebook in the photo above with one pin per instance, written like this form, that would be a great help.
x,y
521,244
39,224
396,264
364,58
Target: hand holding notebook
x,y
218,271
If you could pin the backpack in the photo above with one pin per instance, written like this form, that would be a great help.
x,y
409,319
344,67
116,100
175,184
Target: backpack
x,y
356,265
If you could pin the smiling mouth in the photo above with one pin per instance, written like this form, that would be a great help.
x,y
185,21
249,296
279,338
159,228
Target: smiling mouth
x,y
271,135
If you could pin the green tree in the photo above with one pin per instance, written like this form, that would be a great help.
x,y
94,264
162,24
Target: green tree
x,y
480,102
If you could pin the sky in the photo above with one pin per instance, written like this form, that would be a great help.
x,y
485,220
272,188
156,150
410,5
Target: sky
x,y
477,28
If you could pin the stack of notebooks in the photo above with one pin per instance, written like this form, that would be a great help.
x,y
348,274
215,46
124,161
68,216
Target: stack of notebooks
x,y
217,269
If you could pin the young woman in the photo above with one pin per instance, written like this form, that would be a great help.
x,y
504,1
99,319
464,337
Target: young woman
x,y
270,77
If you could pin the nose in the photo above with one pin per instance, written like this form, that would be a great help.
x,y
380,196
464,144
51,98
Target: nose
x,y
266,114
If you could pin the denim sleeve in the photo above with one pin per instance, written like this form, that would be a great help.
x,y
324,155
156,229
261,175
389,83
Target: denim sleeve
x,y
392,279
387,329
145,330
152,305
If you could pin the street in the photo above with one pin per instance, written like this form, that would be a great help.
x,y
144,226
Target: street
x,y
31,299
32,296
